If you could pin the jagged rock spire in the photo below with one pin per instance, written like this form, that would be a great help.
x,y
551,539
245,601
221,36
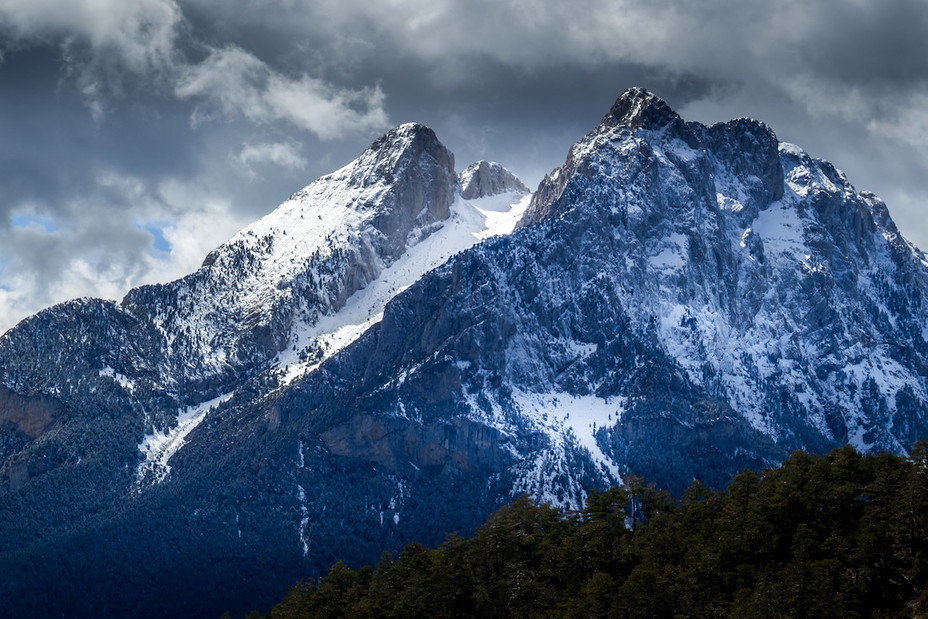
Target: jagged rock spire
x,y
639,108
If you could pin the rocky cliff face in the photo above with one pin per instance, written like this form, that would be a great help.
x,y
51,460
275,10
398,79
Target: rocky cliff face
x,y
679,302
487,178
29,415
760,270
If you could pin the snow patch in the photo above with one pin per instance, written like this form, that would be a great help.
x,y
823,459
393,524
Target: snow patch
x,y
570,422
782,231
683,151
304,520
673,256
726,203
581,350
159,447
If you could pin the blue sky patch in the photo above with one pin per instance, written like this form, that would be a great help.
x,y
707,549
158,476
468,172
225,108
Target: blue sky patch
x,y
156,229
35,222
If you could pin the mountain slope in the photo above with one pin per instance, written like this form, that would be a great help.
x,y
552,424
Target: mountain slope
x,y
103,405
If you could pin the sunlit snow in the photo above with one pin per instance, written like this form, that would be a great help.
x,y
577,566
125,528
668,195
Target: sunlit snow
x,y
574,418
570,422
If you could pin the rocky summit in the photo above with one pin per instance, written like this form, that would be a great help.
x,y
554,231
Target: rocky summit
x,y
397,350
488,178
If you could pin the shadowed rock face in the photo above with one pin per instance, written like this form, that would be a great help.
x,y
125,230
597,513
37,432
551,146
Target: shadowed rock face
x,y
487,178
637,108
744,149
741,297
421,171
405,447
22,420
30,415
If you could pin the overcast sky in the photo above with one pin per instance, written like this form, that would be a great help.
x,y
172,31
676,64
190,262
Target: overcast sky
x,y
135,135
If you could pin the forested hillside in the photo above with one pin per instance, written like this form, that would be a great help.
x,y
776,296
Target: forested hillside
x,y
840,535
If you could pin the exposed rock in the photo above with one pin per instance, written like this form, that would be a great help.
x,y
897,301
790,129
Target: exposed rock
x,y
486,178
637,108
405,447
30,415
681,302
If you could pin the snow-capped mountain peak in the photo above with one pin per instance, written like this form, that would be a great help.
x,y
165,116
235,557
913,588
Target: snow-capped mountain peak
x,y
305,259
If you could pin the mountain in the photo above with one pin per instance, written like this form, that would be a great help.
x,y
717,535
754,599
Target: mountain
x,y
397,350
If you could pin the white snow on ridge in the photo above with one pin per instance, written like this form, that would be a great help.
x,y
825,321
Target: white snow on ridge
x,y
158,448
254,272
471,221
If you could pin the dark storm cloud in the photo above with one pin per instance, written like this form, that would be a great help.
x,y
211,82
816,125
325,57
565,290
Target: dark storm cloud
x,y
51,142
190,118
874,43
862,61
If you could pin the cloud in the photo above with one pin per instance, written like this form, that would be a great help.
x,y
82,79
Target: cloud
x,y
902,117
812,55
236,82
201,218
108,43
310,51
107,46
52,263
282,154
141,33
95,245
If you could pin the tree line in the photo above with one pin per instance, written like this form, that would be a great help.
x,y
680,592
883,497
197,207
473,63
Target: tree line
x,y
839,535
